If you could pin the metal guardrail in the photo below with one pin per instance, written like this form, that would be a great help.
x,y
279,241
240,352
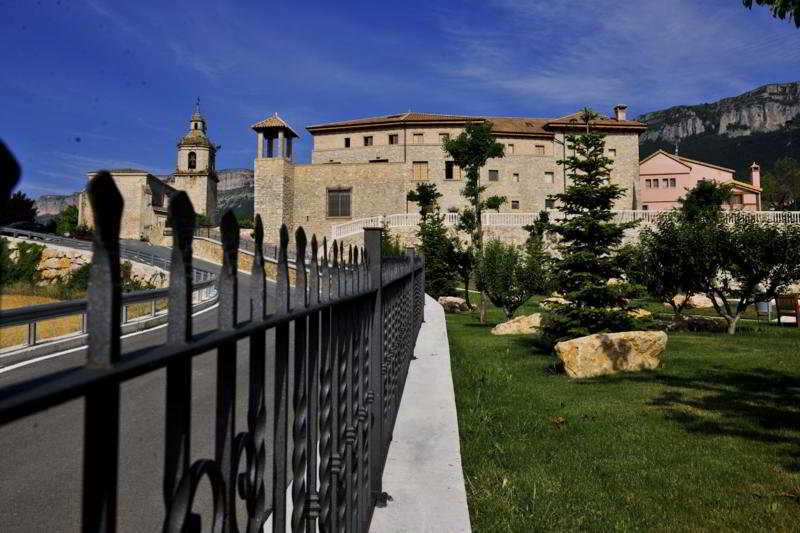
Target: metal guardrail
x,y
355,321
32,315
203,290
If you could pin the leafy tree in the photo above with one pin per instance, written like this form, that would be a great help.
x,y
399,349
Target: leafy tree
x,y
782,184
463,262
470,151
245,221
437,247
20,265
509,276
781,9
588,241
757,259
538,229
67,220
425,195
665,261
19,208
390,244
706,199
587,116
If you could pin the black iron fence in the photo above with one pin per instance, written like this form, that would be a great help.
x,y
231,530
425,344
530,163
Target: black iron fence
x,y
347,329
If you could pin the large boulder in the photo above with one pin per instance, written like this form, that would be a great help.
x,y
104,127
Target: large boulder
x,y
453,304
609,353
519,325
696,301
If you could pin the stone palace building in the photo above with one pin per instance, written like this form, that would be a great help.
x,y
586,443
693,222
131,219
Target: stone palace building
x,y
364,167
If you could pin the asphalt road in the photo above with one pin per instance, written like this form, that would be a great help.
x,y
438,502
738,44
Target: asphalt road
x,y
41,456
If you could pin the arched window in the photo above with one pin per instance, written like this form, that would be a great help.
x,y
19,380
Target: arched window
x,y
192,160
195,125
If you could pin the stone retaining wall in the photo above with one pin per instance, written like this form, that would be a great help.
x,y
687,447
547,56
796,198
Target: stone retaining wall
x,y
58,262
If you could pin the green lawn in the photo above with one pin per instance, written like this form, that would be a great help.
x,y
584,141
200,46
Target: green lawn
x,y
709,442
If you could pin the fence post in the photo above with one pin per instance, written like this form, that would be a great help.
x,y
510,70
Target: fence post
x,y
372,243
101,409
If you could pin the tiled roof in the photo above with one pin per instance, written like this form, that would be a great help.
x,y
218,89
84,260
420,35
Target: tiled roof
x,y
686,161
274,122
510,125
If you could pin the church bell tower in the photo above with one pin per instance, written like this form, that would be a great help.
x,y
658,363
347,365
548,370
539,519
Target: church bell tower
x,y
195,172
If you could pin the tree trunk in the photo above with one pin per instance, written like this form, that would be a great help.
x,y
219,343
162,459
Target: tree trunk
x,y
732,321
482,306
466,291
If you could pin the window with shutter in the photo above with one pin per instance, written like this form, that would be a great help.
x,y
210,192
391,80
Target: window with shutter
x,y
420,170
339,202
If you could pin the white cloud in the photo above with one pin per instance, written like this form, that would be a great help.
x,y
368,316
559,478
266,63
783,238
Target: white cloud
x,y
605,52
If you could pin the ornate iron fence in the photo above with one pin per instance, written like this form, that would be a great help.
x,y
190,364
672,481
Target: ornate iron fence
x,y
354,320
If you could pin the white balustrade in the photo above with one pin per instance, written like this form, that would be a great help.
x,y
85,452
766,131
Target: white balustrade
x,y
518,220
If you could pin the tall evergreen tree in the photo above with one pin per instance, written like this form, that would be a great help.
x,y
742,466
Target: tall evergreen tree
x,y
588,242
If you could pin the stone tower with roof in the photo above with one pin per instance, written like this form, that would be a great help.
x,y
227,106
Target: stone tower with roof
x,y
195,172
274,174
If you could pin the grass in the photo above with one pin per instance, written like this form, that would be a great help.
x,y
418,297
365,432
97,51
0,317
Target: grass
x,y
708,442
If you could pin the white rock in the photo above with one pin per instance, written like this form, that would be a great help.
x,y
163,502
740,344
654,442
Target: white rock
x,y
609,353
453,304
519,325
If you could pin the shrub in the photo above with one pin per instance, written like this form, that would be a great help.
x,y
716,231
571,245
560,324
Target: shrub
x,y
510,276
67,221
438,250
21,265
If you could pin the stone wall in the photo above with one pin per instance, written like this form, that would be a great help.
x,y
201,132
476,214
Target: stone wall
x,y
58,262
211,251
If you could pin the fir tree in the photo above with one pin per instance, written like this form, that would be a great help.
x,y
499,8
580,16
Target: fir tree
x,y
588,242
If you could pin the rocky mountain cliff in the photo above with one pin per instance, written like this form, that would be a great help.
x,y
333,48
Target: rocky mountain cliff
x,y
53,204
768,108
762,125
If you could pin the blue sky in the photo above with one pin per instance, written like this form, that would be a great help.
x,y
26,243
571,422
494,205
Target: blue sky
x,y
91,84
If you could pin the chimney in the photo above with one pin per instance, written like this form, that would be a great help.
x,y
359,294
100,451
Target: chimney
x,y
621,112
755,175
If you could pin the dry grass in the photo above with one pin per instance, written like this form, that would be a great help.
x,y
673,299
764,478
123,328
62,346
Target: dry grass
x,y
46,329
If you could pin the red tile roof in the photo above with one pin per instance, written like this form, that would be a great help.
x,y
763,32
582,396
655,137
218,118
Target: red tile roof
x,y
510,125
274,122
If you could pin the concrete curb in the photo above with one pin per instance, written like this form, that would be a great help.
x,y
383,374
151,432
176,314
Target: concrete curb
x,y
423,471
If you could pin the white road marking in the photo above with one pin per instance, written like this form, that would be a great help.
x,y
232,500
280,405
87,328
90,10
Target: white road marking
x,y
71,350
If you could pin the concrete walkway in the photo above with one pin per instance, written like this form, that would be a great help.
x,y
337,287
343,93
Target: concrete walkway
x,y
423,471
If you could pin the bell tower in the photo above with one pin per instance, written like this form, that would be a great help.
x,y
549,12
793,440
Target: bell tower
x,y
195,172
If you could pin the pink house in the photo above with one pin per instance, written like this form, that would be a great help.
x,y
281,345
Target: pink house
x,y
665,177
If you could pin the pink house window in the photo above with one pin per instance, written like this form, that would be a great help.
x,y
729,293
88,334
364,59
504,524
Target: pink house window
x,y
672,182
655,183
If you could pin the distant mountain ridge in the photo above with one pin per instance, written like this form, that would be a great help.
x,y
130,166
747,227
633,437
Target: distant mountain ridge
x,y
761,125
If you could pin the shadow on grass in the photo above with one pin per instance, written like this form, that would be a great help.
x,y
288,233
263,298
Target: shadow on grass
x,y
759,404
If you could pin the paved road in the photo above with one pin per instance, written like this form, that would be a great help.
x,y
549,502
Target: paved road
x,y
41,457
